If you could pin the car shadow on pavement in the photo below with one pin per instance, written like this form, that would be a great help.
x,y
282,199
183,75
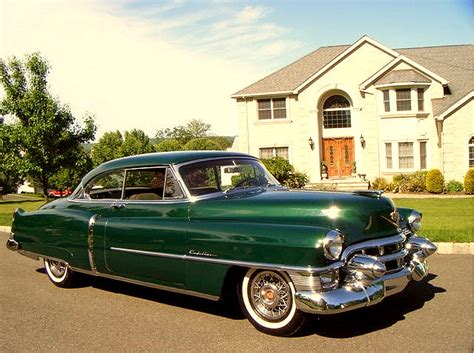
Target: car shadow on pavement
x,y
220,308
344,325
377,317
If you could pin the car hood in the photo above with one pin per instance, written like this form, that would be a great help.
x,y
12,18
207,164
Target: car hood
x,y
357,216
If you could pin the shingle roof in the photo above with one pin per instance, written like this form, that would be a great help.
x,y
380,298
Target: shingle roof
x,y
454,63
291,76
397,76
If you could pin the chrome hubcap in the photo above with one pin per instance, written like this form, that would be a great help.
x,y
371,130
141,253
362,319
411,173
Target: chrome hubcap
x,y
270,295
57,268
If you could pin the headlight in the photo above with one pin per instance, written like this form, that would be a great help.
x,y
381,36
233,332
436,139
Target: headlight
x,y
333,244
414,220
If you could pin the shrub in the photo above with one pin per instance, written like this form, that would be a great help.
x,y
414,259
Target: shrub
x,y
324,187
285,173
415,182
399,182
297,180
382,184
469,181
434,181
454,186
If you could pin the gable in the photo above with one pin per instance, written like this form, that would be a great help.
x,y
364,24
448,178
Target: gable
x,y
298,75
402,76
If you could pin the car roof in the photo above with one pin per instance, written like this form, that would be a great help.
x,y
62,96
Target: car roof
x,y
162,158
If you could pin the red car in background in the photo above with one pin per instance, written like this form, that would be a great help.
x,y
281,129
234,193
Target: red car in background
x,y
59,193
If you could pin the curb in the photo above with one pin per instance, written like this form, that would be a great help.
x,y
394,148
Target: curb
x,y
443,248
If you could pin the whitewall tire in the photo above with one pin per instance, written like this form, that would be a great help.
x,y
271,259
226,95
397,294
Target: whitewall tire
x,y
59,273
267,299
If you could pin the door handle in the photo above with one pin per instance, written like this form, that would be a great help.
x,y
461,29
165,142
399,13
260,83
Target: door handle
x,y
117,205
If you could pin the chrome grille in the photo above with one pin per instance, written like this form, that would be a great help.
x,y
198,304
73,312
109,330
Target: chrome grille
x,y
390,251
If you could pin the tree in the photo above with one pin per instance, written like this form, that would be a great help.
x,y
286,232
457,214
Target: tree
x,y
183,134
168,145
112,145
135,142
108,148
201,144
48,135
195,135
10,160
69,177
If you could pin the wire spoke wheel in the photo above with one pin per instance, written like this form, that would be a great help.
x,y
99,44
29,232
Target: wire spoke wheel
x,y
267,299
270,296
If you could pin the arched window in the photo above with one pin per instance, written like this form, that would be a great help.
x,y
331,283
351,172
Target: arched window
x,y
336,112
471,152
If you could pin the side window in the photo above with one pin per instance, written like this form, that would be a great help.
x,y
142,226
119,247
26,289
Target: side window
x,y
106,186
172,189
145,184
201,179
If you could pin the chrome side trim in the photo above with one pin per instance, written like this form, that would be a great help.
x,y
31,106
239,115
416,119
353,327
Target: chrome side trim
x,y
399,238
147,284
90,241
260,265
149,253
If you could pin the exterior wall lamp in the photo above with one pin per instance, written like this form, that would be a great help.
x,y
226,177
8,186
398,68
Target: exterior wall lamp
x,y
311,143
362,141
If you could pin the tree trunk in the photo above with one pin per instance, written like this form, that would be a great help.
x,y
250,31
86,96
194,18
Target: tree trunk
x,y
44,185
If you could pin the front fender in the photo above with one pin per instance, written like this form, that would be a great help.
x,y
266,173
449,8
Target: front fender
x,y
293,245
241,243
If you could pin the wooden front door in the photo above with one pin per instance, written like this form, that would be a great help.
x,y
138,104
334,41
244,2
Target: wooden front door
x,y
338,156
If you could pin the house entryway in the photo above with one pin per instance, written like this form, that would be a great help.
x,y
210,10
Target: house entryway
x,y
338,155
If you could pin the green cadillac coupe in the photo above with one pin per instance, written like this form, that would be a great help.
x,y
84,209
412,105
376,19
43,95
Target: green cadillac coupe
x,y
209,223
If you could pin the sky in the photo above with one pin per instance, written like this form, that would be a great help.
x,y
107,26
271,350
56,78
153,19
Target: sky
x,y
155,64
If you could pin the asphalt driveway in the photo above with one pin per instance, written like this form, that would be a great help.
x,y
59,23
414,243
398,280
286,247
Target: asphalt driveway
x,y
435,315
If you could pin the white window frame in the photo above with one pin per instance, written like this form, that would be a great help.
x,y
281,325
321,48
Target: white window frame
x,y
272,109
386,101
396,156
412,156
388,156
403,100
419,154
393,111
469,146
274,148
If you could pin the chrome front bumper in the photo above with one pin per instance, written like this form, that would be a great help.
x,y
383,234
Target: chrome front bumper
x,y
361,293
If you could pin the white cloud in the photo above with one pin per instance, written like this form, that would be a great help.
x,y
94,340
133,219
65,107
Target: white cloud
x,y
112,67
251,14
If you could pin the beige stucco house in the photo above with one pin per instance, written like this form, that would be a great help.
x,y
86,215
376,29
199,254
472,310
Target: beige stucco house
x,y
365,109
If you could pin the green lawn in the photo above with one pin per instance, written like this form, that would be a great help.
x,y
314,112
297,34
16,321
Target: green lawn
x,y
450,219
7,208
443,219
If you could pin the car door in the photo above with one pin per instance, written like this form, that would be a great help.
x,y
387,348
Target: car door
x,y
141,233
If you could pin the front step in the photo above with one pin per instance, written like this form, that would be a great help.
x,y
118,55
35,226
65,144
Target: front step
x,y
349,184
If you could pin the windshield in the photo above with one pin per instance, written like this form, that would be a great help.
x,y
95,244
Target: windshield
x,y
204,178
